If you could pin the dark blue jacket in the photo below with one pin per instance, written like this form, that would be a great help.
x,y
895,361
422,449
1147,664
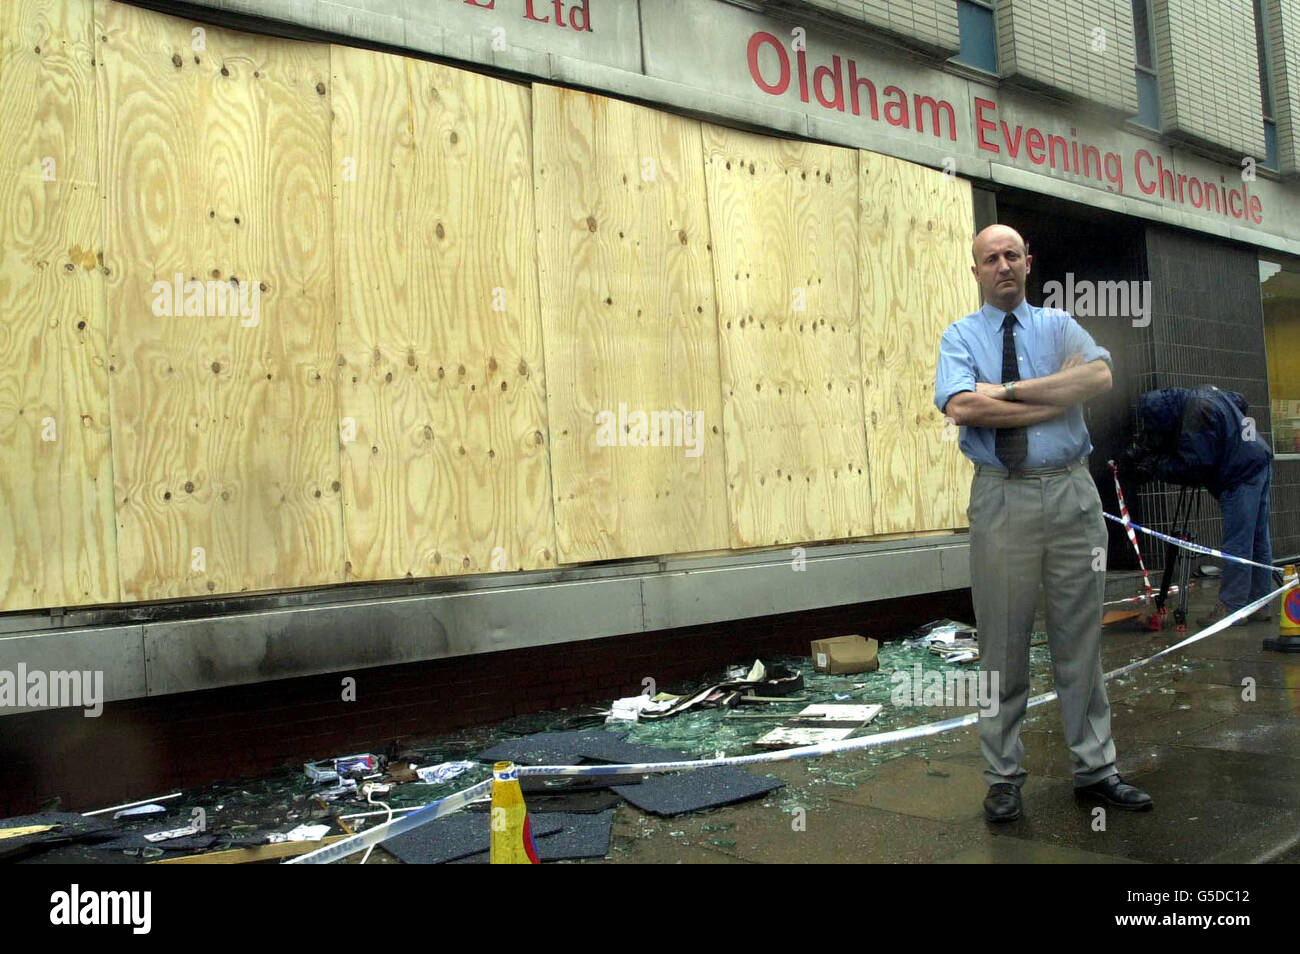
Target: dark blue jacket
x,y
1196,436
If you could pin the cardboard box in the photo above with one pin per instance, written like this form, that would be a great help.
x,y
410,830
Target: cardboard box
x,y
844,654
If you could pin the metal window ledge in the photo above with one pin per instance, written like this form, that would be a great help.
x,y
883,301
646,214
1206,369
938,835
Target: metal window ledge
x,y
286,636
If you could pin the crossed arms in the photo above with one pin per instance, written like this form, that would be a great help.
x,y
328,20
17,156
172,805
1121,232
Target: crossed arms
x,y
1037,399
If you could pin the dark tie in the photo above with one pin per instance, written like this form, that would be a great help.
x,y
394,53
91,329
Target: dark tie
x,y
1011,444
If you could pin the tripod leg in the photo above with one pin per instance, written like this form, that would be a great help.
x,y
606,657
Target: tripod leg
x,y
1157,620
1186,506
1186,577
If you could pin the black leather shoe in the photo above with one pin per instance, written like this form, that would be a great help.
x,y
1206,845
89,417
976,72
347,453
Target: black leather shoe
x,y
1116,792
1002,803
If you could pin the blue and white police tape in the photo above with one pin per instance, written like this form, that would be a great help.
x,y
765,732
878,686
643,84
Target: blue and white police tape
x,y
452,803
1188,545
443,806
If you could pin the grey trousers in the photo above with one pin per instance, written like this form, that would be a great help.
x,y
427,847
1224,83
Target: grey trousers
x,y
1041,528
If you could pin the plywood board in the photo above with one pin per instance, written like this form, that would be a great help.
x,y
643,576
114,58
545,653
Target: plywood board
x,y
784,224
914,263
215,160
55,466
440,345
629,329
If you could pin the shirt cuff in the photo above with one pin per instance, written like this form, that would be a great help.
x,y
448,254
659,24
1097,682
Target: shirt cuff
x,y
1095,352
944,405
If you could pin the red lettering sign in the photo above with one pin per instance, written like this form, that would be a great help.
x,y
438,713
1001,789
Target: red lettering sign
x,y
1066,155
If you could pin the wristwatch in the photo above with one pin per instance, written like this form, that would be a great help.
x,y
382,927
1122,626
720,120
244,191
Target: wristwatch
x,y
1010,387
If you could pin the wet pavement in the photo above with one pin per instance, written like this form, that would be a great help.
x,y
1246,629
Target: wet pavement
x,y
1223,770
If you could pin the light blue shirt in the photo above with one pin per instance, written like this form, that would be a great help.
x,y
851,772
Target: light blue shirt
x,y
971,350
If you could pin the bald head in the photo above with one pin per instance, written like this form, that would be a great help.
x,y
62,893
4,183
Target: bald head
x,y
992,233
1001,266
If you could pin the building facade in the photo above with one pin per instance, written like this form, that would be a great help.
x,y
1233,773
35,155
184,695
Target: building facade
x,y
1147,149
1132,141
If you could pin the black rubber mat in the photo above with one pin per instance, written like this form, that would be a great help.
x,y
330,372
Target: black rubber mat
x,y
695,790
583,836
458,835
584,801
72,827
575,748
546,748
136,839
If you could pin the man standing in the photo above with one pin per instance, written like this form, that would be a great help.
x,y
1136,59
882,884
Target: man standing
x,y
1014,376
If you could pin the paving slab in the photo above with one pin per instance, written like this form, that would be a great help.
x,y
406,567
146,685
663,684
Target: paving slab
x,y
1188,775
1231,673
1180,829
841,834
941,791
1207,697
1132,724
644,839
1262,734
1018,851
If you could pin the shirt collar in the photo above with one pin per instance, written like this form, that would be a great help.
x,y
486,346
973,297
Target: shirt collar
x,y
995,316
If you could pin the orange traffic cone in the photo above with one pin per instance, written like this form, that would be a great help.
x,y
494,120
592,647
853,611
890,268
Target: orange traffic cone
x,y
512,837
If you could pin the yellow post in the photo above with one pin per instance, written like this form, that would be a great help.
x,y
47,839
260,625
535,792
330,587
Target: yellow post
x,y
1288,622
512,837
1289,618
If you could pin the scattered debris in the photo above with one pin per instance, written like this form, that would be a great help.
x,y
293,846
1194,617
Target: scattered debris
x,y
741,684
350,764
442,772
344,819
819,723
956,650
749,700
23,830
346,786
59,828
940,631
132,843
845,654
321,771
631,708
301,833
337,769
168,834
139,811
574,748
143,801
401,774
732,710
242,856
